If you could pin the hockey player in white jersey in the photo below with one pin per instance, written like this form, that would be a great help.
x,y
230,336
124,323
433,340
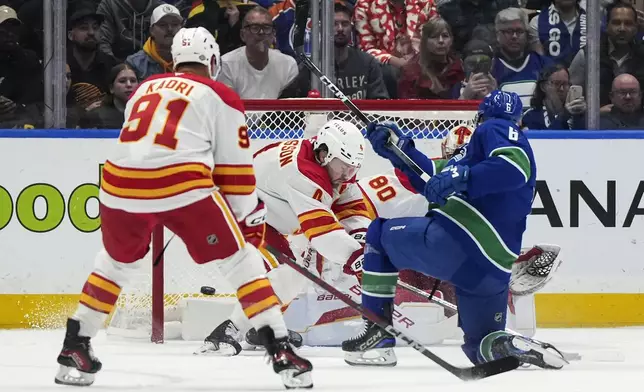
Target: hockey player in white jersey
x,y
308,187
182,161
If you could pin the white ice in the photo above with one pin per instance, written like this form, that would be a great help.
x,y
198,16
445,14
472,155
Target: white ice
x,y
612,360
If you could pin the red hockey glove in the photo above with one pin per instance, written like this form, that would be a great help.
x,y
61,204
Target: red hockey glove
x,y
254,225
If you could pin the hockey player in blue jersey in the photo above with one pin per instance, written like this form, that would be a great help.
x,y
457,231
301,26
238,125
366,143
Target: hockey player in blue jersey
x,y
483,196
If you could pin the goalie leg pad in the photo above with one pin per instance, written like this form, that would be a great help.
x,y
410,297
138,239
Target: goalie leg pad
x,y
287,283
245,270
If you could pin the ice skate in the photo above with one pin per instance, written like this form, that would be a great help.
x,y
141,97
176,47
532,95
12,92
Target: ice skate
x,y
76,356
373,347
222,341
502,344
253,341
294,370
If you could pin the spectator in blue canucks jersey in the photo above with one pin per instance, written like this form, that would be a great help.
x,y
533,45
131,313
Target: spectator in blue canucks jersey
x,y
516,68
560,29
554,105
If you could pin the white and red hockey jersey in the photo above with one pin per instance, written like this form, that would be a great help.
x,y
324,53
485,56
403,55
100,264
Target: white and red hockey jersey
x,y
300,198
184,136
390,195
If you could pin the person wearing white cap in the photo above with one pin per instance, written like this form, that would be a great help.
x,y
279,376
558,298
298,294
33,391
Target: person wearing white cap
x,y
20,69
155,57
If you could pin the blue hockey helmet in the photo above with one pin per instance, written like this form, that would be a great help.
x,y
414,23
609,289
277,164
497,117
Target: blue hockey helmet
x,y
501,104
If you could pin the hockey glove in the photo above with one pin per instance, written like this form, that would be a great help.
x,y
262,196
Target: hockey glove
x,y
254,225
379,135
445,184
353,266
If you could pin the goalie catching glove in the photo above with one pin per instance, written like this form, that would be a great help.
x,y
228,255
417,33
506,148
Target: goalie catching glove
x,y
534,269
254,225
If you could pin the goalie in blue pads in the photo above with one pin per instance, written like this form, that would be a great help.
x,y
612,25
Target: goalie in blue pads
x,y
482,198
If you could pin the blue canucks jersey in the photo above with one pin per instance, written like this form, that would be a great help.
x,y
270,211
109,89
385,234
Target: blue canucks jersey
x,y
494,210
522,79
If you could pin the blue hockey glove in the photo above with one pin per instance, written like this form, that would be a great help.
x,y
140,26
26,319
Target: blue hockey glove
x,y
379,134
444,184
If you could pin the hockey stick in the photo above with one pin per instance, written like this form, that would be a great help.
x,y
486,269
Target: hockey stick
x,y
450,306
476,372
363,117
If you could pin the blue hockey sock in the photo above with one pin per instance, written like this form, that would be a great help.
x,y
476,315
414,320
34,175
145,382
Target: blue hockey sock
x,y
379,275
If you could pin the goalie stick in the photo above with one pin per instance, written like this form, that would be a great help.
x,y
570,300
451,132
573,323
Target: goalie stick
x,y
363,117
476,372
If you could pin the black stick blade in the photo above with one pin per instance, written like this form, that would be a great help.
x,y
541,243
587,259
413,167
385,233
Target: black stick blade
x,y
488,369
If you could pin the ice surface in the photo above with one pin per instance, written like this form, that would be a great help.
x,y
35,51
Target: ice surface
x,y
29,363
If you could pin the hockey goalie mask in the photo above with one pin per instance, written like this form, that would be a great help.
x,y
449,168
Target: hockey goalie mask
x,y
196,45
345,147
455,139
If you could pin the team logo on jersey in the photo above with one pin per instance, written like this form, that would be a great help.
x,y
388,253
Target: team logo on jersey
x,y
212,239
498,317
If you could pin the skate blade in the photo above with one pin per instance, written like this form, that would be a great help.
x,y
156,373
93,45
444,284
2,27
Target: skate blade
x,y
224,350
375,357
65,377
552,360
293,379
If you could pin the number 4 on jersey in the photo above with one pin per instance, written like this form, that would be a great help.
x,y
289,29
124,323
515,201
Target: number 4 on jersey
x,y
142,115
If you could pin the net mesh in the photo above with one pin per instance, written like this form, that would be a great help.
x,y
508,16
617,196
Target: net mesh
x,y
267,121
420,124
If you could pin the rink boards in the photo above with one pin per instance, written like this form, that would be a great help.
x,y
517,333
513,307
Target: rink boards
x,y
589,201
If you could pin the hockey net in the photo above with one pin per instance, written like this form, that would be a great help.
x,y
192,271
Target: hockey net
x,y
150,306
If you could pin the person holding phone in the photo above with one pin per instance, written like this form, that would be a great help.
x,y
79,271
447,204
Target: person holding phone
x,y
477,63
555,103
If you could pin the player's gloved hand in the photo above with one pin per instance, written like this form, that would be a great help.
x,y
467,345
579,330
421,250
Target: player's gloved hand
x,y
448,182
312,260
254,225
379,135
353,266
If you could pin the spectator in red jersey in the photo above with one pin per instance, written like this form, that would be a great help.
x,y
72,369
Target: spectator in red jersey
x,y
389,30
122,81
436,69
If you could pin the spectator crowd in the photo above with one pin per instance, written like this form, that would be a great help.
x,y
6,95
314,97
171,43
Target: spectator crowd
x,y
384,49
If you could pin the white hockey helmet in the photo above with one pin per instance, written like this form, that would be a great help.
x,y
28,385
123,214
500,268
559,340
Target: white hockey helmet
x,y
196,45
343,140
456,138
